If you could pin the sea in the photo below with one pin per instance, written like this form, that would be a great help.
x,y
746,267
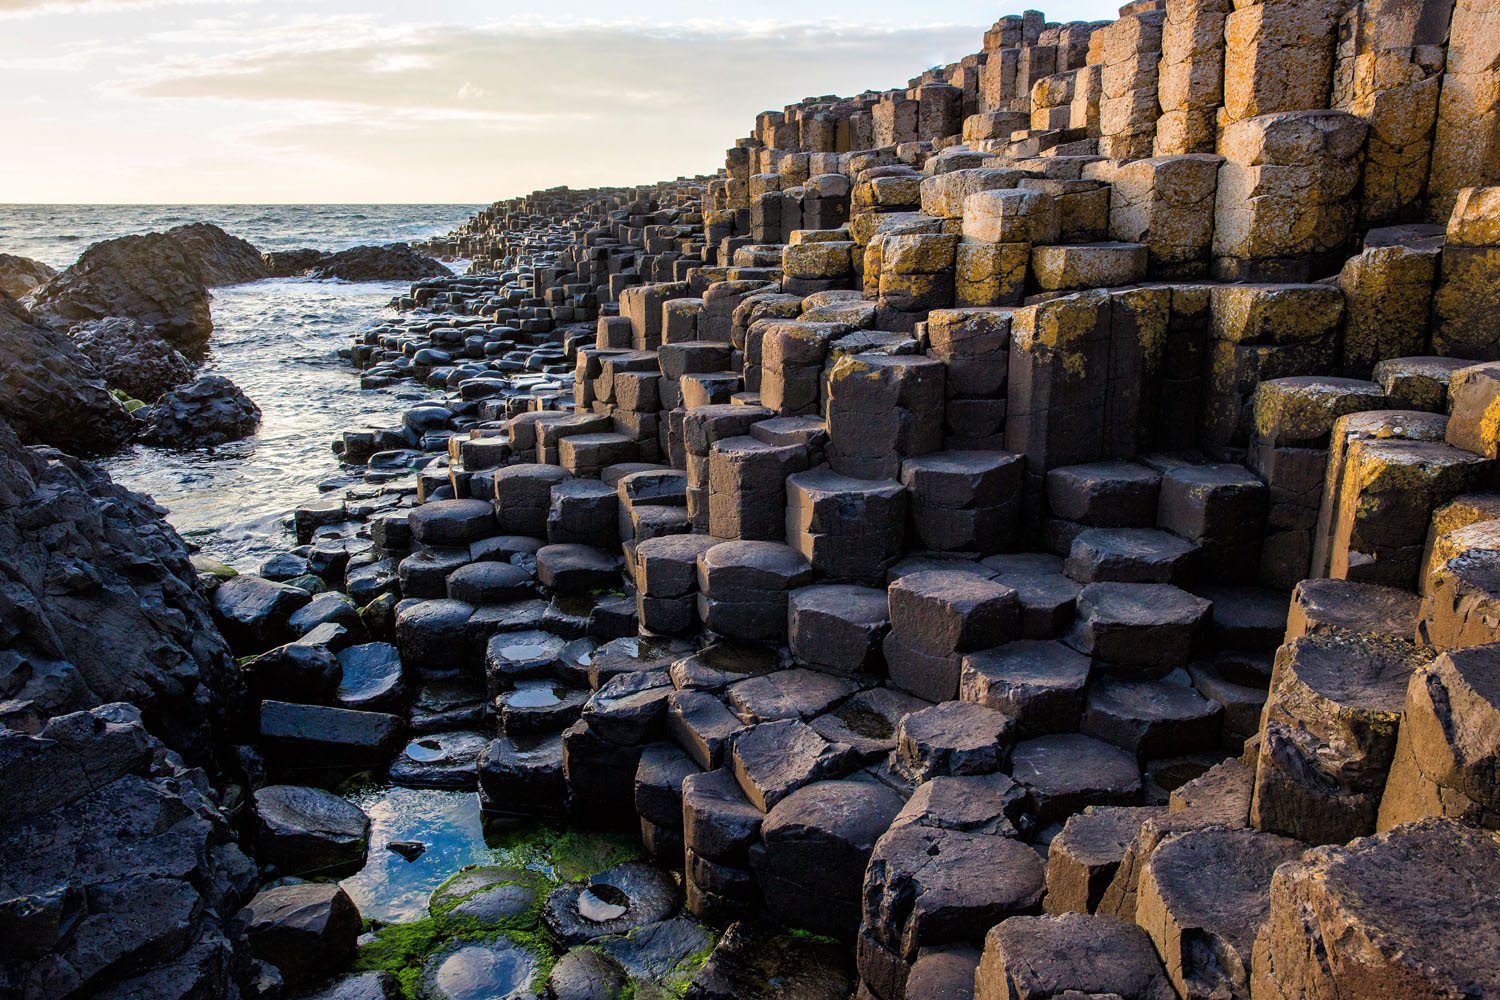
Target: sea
x,y
278,340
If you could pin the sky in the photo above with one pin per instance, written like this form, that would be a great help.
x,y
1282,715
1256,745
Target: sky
x,y
464,101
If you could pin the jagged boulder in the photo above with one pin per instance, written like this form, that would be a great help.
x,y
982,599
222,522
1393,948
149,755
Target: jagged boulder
x,y
99,603
131,357
153,278
396,262
50,393
209,412
122,877
221,259
292,263
20,275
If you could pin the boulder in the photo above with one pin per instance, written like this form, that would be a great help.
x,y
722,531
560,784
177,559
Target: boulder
x,y
305,930
294,672
152,278
51,393
1033,958
220,259
255,613
1083,858
1408,914
1202,897
929,885
396,262
19,276
303,830
127,620
815,845
209,412
122,877
292,263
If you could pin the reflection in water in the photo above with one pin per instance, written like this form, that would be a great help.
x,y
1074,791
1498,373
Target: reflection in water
x,y
278,341
391,888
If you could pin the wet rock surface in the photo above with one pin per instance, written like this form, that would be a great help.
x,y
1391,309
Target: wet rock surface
x,y
890,535
396,262
208,412
153,876
131,357
154,279
50,393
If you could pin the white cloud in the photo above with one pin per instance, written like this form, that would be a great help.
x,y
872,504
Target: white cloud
x,y
250,107
13,9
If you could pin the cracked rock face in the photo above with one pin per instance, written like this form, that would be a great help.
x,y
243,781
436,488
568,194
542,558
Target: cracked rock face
x,y
153,876
19,275
99,603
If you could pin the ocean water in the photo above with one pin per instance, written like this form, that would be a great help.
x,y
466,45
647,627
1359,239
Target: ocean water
x,y
276,339
58,234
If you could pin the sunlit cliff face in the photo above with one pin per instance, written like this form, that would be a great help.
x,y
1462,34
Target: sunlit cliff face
x,y
270,100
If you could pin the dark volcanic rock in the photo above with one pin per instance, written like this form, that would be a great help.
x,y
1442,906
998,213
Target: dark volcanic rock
x,y
306,931
255,613
754,960
99,603
50,392
292,263
220,259
151,278
307,830
612,902
131,357
396,262
209,412
121,875
20,275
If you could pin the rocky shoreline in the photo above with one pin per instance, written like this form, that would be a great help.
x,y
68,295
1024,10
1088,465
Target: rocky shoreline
x,y
1031,533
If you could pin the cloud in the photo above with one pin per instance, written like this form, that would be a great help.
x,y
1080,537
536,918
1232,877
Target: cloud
x,y
13,9
308,106
616,69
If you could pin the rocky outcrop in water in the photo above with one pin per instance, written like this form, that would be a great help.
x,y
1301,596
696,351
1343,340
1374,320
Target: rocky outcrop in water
x,y
292,263
19,275
131,357
209,412
99,603
396,262
50,392
121,877
159,279
221,259
151,279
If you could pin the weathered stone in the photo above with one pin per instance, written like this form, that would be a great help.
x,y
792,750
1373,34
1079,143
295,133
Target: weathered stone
x,y
1083,858
1038,683
816,844
1329,734
1203,897
1446,873
1066,773
1048,956
954,738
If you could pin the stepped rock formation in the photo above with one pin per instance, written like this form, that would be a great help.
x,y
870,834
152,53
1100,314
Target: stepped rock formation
x,y
1038,526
